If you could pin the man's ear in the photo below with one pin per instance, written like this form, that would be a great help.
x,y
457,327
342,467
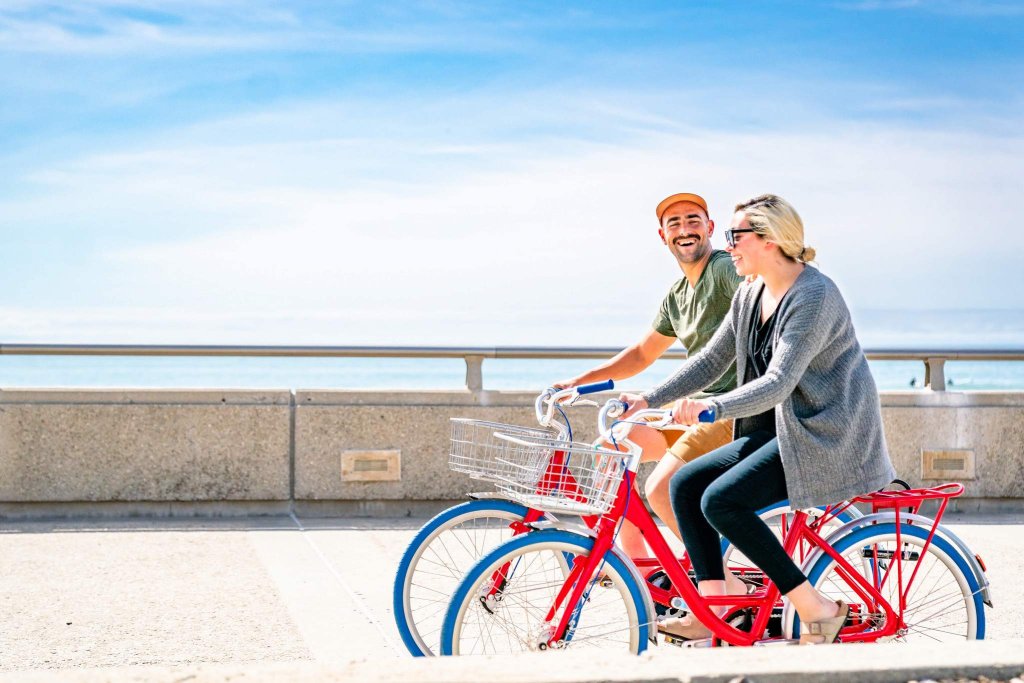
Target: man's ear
x,y
661,234
711,227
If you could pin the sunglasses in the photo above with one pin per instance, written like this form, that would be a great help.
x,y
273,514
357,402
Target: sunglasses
x,y
730,235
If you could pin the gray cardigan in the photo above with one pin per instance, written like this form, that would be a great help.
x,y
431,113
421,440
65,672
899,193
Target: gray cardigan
x,y
827,414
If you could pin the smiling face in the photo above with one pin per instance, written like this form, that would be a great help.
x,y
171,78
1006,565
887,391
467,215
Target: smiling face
x,y
686,231
751,250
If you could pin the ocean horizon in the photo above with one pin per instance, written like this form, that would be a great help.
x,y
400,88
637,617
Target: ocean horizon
x,y
877,330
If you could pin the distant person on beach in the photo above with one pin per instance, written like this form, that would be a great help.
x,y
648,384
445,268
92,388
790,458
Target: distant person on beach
x,y
690,313
808,417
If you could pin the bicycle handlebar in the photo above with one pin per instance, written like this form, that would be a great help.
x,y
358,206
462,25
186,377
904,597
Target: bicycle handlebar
x,y
553,397
606,385
614,408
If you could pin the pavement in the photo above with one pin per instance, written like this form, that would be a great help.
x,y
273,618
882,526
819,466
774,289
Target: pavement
x,y
272,598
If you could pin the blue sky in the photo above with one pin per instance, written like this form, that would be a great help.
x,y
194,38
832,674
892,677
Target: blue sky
x,y
410,173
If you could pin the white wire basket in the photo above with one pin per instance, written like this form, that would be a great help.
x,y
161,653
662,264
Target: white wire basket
x,y
578,478
477,450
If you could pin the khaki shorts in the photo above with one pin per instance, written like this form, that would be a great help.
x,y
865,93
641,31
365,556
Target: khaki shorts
x,y
698,439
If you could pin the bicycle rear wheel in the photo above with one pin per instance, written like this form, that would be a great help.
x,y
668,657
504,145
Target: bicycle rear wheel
x,y
943,603
532,570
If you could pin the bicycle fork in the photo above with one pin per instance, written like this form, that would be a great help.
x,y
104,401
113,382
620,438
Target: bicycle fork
x,y
573,594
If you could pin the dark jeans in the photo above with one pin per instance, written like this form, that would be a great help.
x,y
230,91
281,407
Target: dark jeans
x,y
721,492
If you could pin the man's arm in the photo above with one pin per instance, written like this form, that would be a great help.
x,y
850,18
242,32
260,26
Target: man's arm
x,y
701,369
631,361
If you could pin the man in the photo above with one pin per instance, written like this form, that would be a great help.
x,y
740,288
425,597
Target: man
x,y
691,312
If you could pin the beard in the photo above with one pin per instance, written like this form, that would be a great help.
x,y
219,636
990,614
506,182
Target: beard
x,y
692,254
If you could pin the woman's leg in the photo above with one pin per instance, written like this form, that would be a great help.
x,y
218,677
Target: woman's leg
x,y
731,503
687,488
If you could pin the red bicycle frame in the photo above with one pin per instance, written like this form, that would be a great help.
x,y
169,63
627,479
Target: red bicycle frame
x,y
765,598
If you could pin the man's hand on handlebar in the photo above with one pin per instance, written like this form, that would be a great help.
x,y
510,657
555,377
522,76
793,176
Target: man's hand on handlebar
x,y
685,411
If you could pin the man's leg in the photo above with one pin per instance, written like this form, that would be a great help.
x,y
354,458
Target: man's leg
x,y
693,443
654,448
702,541
698,440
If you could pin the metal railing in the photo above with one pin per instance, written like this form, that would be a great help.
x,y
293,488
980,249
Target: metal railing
x,y
934,359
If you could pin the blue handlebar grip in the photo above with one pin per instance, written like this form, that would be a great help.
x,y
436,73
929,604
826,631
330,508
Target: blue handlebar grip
x,y
706,415
595,387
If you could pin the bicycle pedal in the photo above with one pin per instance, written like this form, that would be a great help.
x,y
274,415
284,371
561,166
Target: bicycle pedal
x,y
686,642
699,642
776,642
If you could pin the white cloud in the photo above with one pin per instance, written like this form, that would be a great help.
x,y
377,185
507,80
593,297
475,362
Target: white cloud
x,y
357,240
103,27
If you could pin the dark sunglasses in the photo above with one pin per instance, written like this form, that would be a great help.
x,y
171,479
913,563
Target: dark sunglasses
x,y
730,235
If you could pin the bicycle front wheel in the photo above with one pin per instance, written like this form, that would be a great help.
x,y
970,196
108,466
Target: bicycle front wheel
x,y
503,604
437,558
943,602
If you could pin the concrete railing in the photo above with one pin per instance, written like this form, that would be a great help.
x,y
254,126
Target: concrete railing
x,y
380,452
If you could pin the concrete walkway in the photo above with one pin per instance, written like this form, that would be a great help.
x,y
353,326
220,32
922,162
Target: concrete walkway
x,y
310,599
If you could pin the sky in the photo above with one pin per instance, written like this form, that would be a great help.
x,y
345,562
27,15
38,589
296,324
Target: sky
x,y
482,173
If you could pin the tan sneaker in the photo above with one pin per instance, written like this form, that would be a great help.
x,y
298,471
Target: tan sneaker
x,y
684,628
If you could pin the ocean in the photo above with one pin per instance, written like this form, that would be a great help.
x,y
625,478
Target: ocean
x,y
889,330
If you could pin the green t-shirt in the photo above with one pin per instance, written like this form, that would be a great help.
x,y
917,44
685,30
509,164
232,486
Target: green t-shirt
x,y
693,314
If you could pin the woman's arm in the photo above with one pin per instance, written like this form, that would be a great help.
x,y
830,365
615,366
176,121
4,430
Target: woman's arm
x,y
704,367
805,330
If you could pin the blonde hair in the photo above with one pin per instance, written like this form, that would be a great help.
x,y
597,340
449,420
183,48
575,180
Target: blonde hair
x,y
774,217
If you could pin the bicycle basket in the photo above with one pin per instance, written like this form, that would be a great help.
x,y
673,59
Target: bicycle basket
x,y
476,450
578,478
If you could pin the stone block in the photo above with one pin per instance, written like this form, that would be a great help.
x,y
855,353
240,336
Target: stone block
x,y
995,433
329,423
141,446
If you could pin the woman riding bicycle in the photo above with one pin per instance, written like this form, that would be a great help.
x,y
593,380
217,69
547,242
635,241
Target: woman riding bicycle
x,y
808,420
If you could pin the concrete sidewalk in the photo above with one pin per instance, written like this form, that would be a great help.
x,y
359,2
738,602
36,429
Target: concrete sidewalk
x,y
310,599
888,663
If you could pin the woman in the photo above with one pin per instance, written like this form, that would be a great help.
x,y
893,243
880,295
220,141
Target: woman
x,y
808,421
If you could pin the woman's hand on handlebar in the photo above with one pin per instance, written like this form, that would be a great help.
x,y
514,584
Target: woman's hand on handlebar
x,y
685,411
634,402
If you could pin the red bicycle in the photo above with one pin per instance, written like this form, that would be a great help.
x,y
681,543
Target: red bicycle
x,y
904,576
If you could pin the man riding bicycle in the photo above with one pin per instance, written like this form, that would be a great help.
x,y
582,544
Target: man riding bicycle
x,y
690,313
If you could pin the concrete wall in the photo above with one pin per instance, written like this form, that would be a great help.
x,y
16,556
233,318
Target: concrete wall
x,y
61,446
183,450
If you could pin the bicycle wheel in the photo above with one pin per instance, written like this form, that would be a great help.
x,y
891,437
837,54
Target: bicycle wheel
x,y
438,556
778,518
943,603
611,615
